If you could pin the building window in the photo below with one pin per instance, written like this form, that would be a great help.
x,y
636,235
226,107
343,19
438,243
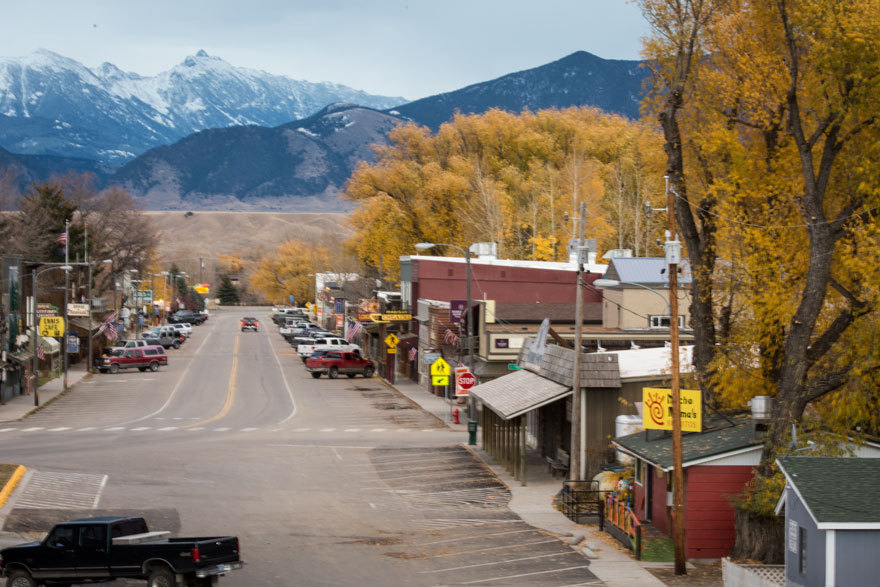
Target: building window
x,y
639,467
802,551
663,321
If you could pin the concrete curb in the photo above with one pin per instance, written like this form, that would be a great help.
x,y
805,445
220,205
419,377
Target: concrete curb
x,y
12,484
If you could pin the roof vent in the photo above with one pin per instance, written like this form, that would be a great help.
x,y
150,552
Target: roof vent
x,y
762,408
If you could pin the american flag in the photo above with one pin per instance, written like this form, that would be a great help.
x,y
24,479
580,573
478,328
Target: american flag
x,y
62,238
41,354
450,337
108,327
413,352
353,328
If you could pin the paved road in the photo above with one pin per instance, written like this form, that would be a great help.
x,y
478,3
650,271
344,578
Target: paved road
x,y
326,482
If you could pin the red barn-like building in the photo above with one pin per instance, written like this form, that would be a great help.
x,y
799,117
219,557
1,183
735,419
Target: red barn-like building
x,y
717,462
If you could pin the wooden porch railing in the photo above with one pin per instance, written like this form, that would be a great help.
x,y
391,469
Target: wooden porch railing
x,y
623,524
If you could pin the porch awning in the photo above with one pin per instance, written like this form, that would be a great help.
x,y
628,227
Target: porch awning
x,y
519,392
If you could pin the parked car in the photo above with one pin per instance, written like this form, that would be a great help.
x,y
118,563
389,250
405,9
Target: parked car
x,y
330,342
96,550
301,336
250,323
333,363
184,328
143,358
167,336
185,316
131,344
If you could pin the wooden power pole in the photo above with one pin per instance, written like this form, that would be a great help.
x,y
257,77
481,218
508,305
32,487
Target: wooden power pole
x,y
673,257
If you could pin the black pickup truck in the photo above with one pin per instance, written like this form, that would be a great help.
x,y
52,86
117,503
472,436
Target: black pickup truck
x,y
97,550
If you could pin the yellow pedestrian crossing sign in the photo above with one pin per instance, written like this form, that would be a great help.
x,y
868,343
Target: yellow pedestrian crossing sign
x,y
440,367
440,371
391,340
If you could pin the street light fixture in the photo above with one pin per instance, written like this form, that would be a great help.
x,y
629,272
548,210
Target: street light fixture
x,y
470,325
36,360
472,412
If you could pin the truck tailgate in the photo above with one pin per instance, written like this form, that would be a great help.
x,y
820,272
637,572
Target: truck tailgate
x,y
220,549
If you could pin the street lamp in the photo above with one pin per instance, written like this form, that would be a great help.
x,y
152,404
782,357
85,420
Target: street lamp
x,y
472,411
609,283
470,322
36,360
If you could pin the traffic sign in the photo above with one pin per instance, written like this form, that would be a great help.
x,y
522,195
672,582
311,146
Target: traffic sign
x,y
52,326
391,340
440,380
441,368
467,380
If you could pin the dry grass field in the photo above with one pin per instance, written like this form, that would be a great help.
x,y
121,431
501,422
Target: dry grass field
x,y
184,239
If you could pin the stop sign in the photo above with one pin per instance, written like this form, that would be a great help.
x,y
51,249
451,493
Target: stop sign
x,y
467,380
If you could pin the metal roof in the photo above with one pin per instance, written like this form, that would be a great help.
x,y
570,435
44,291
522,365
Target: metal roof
x,y
645,270
519,392
836,490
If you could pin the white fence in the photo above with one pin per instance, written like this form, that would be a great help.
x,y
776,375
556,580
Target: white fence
x,y
739,575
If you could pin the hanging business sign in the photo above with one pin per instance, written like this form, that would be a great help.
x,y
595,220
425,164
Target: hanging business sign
x,y
44,309
77,309
52,326
657,411
456,310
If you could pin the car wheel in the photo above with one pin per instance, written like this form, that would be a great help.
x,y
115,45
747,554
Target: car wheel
x,y
20,579
316,375
176,344
154,366
160,578
368,371
114,368
333,373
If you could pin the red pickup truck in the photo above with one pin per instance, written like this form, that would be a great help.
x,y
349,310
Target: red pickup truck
x,y
147,357
335,362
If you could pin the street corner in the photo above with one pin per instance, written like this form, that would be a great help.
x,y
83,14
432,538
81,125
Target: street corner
x,y
10,475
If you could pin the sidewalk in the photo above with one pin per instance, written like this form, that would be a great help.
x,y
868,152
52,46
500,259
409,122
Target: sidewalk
x,y
534,504
20,406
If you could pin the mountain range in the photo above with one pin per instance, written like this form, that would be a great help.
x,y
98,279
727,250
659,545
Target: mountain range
x,y
52,105
207,135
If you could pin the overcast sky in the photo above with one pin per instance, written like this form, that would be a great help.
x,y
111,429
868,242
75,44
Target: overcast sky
x,y
409,48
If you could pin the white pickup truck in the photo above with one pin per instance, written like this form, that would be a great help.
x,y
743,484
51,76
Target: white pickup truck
x,y
329,343
297,324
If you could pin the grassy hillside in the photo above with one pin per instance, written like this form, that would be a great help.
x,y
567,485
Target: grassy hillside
x,y
185,239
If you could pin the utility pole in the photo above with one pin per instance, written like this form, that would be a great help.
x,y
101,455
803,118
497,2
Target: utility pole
x,y
66,294
577,461
673,257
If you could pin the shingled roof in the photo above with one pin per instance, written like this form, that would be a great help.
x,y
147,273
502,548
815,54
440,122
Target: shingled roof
x,y
838,492
720,437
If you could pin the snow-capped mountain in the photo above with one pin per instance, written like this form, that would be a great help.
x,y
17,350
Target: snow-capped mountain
x,y
53,105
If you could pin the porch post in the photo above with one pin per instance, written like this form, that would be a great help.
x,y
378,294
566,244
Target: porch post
x,y
522,425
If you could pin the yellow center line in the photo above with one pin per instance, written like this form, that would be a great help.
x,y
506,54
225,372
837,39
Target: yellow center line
x,y
230,393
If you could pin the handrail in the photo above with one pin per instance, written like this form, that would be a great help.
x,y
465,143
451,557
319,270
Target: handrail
x,y
622,517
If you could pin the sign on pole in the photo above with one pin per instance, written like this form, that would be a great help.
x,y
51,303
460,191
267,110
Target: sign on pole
x,y
440,372
657,409
464,380
391,340
52,326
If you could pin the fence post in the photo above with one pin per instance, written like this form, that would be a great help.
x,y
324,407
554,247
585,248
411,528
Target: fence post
x,y
638,529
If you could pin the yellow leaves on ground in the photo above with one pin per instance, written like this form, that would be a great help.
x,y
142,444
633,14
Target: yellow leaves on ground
x,y
510,179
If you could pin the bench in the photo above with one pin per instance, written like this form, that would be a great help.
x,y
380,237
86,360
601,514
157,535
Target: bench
x,y
559,464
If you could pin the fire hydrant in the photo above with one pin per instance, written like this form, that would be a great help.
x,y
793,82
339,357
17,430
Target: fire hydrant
x,y
455,416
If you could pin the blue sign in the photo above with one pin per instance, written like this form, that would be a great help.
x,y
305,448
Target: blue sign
x,y
72,343
339,306
291,298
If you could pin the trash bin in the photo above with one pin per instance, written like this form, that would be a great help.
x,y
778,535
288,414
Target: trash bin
x,y
472,432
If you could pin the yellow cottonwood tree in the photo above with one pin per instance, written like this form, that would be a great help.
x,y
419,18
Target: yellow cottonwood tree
x,y
501,177
286,271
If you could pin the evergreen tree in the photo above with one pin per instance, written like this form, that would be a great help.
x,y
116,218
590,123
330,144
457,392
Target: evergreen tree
x,y
227,292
